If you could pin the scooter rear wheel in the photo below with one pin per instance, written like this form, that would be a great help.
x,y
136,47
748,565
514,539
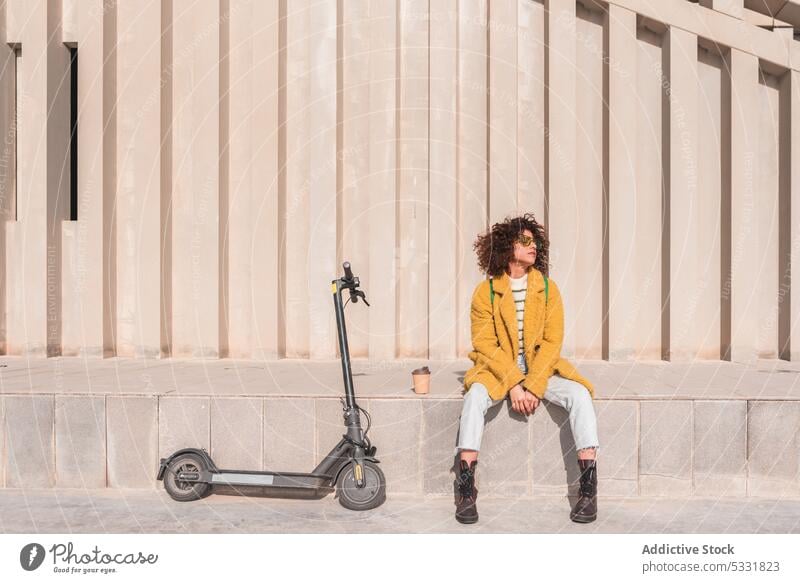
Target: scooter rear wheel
x,y
181,490
372,495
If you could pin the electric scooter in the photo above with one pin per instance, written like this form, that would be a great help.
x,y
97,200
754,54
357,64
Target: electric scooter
x,y
350,467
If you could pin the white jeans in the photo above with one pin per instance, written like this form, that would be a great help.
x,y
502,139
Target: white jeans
x,y
569,394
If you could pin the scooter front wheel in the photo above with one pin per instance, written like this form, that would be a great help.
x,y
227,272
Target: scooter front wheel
x,y
372,495
183,490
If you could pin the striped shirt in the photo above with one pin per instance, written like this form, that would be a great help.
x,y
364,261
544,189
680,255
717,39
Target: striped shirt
x,y
519,286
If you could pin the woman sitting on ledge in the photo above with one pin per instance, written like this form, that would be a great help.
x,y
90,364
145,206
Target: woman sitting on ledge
x,y
517,330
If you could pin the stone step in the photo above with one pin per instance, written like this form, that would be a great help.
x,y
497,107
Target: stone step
x,y
101,424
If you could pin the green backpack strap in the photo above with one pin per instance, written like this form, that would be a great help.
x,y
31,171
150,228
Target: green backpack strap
x,y
546,290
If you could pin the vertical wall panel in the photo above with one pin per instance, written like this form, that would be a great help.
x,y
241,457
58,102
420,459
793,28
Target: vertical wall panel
x,y
643,315
472,154
383,127
502,109
237,235
139,191
295,262
225,14
354,161
310,178
564,215
412,305
195,174
706,323
530,106
254,121
322,243
56,146
767,171
70,21
251,233
443,172
740,296
167,175
26,289
680,66
788,240
584,312
34,240
8,174
88,304
621,158
263,250
109,231
793,171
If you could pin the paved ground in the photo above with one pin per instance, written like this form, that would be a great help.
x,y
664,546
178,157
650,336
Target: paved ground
x,y
135,511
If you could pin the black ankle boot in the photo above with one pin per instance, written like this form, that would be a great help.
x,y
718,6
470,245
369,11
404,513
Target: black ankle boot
x,y
466,493
586,508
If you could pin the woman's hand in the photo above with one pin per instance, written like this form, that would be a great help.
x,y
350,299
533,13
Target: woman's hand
x,y
533,400
522,401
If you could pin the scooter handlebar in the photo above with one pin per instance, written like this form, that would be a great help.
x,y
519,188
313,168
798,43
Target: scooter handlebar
x,y
348,274
352,284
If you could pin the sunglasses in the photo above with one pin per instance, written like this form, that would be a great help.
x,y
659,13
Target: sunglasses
x,y
526,241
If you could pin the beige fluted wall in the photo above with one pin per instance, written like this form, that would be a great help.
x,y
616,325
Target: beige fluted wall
x,y
232,153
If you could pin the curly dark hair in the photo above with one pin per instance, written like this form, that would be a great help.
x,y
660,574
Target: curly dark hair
x,y
495,247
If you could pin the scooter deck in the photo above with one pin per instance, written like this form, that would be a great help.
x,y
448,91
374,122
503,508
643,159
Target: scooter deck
x,y
269,479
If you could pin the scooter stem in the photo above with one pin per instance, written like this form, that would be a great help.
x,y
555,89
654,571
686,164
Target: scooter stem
x,y
337,287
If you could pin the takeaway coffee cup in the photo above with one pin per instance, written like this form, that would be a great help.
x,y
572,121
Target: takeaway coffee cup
x,y
422,380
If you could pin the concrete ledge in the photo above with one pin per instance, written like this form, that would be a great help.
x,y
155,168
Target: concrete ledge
x,y
665,463
773,440
132,441
766,380
650,446
80,431
29,441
